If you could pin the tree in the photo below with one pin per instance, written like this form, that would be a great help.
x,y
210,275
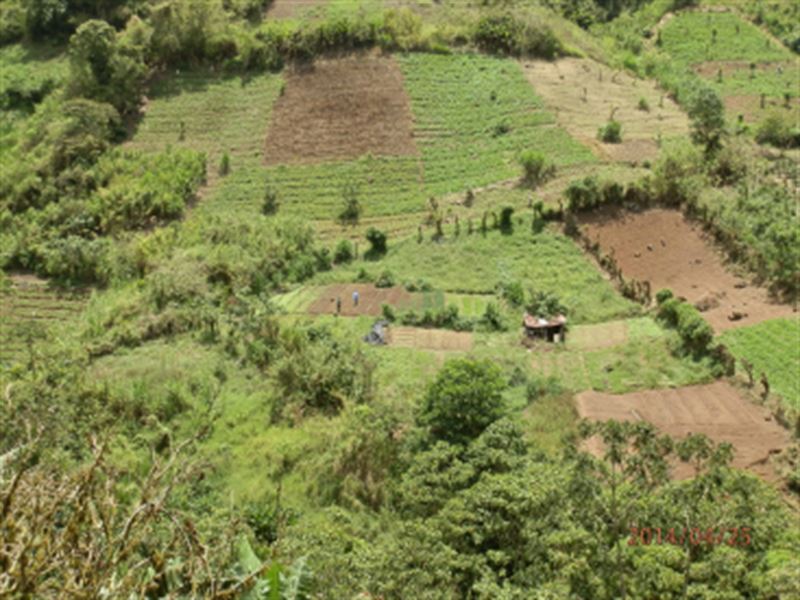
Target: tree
x,y
465,399
377,240
707,114
535,168
351,211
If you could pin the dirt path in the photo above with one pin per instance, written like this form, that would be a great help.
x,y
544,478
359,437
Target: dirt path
x,y
289,9
662,247
717,410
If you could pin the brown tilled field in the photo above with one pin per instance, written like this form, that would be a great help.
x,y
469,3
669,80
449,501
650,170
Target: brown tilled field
x,y
583,93
716,410
662,247
370,301
341,108
429,339
287,9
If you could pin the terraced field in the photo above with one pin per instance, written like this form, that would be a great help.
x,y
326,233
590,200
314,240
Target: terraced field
x,y
773,348
29,309
736,58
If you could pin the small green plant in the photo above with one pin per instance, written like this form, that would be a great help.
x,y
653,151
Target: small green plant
x,y
343,252
536,169
506,223
225,165
643,105
385,280
351,209
611,132
271,203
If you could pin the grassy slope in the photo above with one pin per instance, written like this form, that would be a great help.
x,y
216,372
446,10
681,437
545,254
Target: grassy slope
x,y
477,263
773,347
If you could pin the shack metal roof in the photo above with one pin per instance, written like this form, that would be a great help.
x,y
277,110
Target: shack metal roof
x,y
532,322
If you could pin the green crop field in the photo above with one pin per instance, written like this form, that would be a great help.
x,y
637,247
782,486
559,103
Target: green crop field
x,y
773,348
689,38
477,263
473,115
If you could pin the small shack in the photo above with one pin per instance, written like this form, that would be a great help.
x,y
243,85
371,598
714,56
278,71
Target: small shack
x,y
553,329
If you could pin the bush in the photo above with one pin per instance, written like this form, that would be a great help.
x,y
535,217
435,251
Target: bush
x,y
385,280
225,164
539,386
506,224
611,132
778,129
271,203
505,34
663,295
536,168
388,313
643,105
583,194
545,305
695,333
377,240
513,293
492,320
351,209
343,252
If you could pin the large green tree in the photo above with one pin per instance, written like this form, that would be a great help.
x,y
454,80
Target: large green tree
x,y
465,398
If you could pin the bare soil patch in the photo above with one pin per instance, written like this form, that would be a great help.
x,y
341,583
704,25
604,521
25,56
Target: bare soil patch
x,y
339,109
717,410
287,9
662,247
749,106
370,301
429,339
583,93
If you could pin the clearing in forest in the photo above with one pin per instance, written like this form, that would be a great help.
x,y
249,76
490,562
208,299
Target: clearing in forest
x,y
429,339
717,410
28,308
662,247
334,109
585,94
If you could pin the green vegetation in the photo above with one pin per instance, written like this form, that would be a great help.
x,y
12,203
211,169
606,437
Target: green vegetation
x,y
185,428
771,348
477,264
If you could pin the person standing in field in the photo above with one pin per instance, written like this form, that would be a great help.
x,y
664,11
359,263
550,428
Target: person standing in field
x,y
355,298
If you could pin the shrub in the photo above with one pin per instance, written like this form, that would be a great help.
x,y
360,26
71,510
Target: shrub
x,y
536,168
611,132
492,319
540,386
506,224
643,105
385,280
513,293
225,164
545,305
583,194
271,203
377,240
351,209
695,333
388,313
663,295
505,34
779,130
707,114
343,252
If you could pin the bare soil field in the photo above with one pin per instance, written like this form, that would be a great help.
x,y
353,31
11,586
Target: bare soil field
x,y
339,109
429,339
287,9
716,410
662,247
583,93
370,301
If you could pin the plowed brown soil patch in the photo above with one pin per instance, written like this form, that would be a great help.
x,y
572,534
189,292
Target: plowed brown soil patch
x,y
287,9
429,339
583,93
341,108
370,301
716,410
662,247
